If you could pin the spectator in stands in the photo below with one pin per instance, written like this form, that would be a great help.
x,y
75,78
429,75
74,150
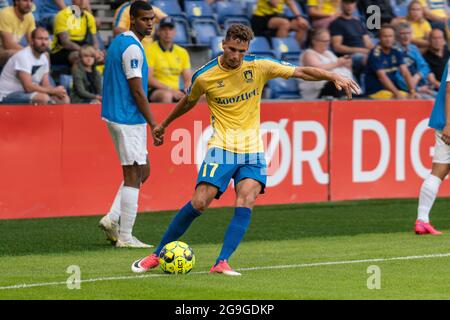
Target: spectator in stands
x,y
437,55
320,56
422,79
268,20
3,3
86,79
421,28
323,12
71,32
436,11
122,21
349,37
48,9
25,79
382,65
166,63
387,13
16,22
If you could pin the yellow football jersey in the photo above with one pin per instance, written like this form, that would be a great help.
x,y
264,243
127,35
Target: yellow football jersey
x,y
234,97
264,8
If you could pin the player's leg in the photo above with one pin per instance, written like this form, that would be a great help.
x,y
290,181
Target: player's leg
x,y
430,186
250,180
281,25
131,145
213,179
203,196
247,191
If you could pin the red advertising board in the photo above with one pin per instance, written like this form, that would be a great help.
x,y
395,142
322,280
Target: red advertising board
x,y
380,149
60,160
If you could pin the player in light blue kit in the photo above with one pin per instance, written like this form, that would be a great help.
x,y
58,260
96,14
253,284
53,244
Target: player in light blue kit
x,y
440,122
126,112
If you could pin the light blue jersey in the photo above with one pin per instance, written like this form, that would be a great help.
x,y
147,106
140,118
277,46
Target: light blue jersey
x,y
438,117
125,59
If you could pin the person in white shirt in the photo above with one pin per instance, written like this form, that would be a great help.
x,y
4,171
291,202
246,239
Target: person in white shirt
x,y
25,80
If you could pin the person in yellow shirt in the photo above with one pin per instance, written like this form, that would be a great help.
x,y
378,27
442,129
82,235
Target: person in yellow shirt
x,y
122,21
268,19
166,63
437,12
73,29
232,84
421,28
16,22
323,12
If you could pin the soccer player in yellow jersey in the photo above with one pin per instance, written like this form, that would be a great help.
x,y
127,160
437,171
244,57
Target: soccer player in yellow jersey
x,y
233,84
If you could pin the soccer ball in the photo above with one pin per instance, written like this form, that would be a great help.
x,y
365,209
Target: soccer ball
x,y
176,258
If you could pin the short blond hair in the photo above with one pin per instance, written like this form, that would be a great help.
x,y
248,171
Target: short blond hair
x,y
87,50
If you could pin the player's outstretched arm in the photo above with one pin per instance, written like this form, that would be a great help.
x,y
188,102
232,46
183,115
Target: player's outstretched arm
x,y
183,106
141,101
317,74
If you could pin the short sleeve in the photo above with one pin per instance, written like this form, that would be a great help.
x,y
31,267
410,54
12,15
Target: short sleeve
x,y
185,60
132,61
23,64
336,28
31,24
196,89
5,21
375,62
61,23
92,25
272,68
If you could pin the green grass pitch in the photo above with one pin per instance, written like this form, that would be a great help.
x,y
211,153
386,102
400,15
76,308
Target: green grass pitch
x,y
308,251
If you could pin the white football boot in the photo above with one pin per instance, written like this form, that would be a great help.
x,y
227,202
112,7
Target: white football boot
x,y
110,228
134,243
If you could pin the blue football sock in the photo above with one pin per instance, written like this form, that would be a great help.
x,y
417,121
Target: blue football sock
x,y
179,225
235,232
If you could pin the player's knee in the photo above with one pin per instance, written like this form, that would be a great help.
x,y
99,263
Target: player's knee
x,y
246,200
200,204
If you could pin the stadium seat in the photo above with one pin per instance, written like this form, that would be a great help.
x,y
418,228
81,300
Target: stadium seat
x,y
235,20
198,10
261,46
204,31
66,80
182,36
284,89
216,46
401,10
229,10
171,7
286,48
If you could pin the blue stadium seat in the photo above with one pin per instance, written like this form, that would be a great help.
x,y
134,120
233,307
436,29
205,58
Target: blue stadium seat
x,y
66,80
284,89
227,10
401,10
286,48
198,10
182,36
171,7
261,46
234,20
204,30
216,46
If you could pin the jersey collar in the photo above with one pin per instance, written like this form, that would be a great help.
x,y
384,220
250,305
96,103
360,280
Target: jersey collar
x,y
131,34
164,50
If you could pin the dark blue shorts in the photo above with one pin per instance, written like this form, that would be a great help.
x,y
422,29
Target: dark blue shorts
x,y
220,166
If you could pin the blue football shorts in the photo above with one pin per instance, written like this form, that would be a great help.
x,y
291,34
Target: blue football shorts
x,y
220,166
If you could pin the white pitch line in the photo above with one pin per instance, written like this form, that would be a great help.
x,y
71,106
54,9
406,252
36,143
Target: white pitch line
x,y
304,265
